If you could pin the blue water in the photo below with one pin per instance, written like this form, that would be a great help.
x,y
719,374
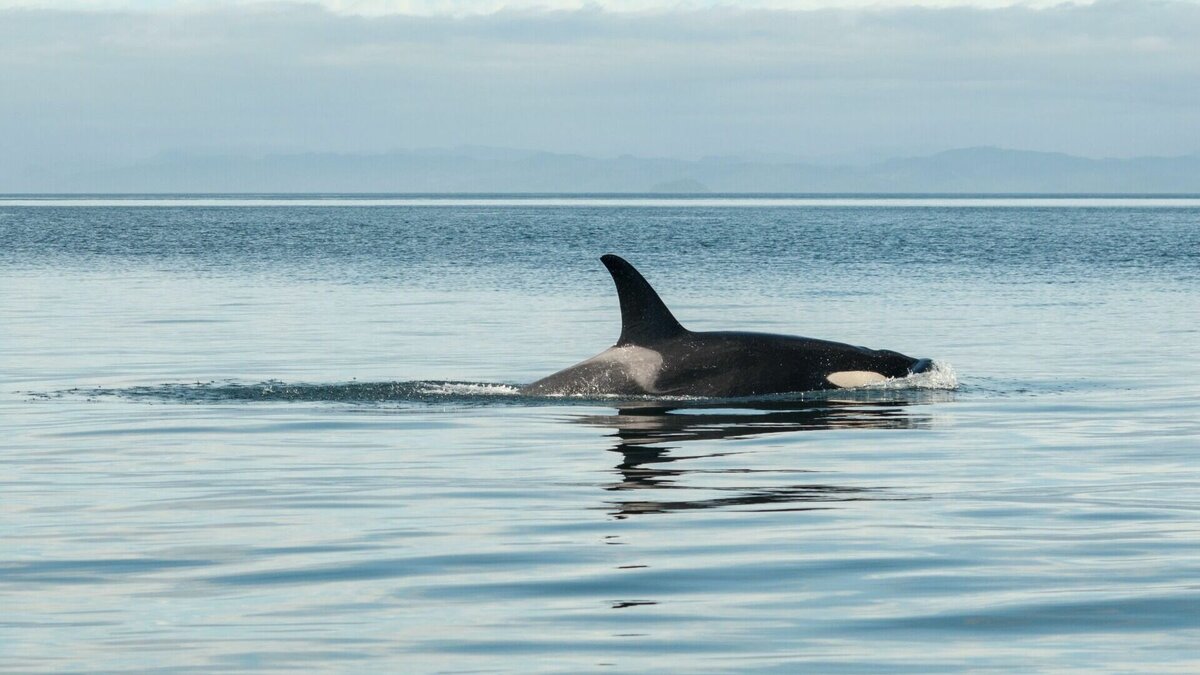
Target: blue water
x,y
281,434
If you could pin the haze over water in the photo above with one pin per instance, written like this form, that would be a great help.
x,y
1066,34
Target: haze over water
x,y
282,434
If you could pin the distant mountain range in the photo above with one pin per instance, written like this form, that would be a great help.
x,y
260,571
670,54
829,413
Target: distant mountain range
x,y
968,170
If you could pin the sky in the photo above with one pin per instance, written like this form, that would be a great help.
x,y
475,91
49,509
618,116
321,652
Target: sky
x,y
101,82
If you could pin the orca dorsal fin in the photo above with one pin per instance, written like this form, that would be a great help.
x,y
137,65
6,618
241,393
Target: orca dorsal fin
x,y
644,317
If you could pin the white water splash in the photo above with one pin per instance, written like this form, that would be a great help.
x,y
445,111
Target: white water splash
x,y
940,375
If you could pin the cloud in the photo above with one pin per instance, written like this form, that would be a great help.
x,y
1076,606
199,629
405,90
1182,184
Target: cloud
x,y
1109,78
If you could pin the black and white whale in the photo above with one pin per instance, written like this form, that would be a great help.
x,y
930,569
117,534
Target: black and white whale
x,y
655,355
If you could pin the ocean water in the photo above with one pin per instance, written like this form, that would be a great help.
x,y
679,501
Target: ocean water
x,y
273,434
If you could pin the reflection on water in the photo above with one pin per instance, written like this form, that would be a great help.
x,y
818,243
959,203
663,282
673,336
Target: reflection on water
x,y
649,434
649,437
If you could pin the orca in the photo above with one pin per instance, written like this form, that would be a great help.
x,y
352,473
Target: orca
x,y
657,356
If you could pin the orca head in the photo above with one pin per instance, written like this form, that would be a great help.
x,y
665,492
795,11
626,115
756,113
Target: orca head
x,y
921,366
895,364
879,366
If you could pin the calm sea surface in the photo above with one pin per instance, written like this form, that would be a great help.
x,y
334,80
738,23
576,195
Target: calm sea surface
x,y
279,434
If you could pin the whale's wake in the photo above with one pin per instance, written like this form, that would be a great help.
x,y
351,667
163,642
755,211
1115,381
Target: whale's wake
x,y
275,391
